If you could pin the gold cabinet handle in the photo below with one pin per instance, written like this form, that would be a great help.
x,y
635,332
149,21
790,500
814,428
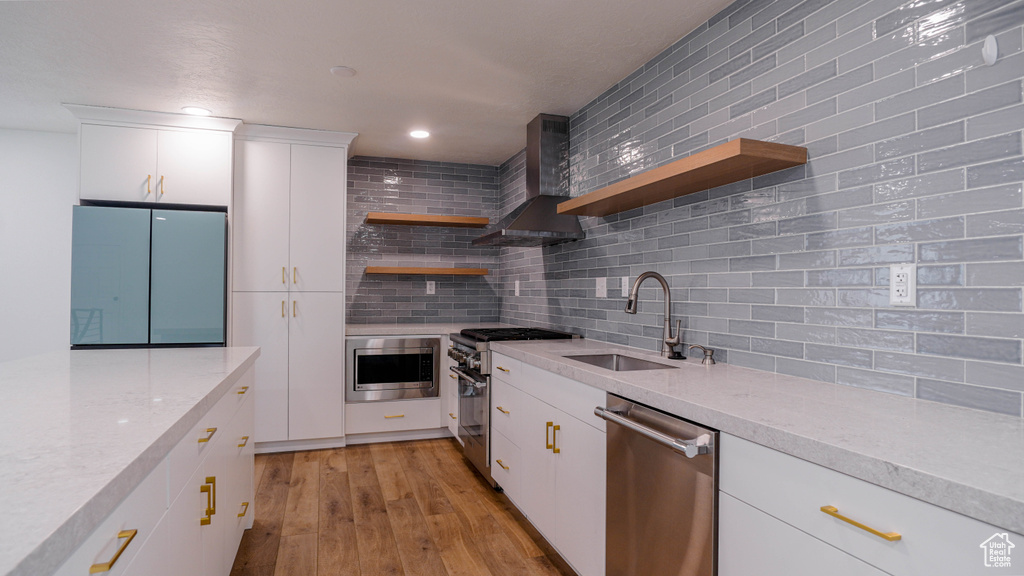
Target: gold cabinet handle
x,y
210,489
243,390
554,439
452,414
395,416
547,432
245,510
245,440
502,410
453,376
295,275
502,465
209,435
834,512
149,190
128,536
284,275
162,188
503,369
282,308
294,307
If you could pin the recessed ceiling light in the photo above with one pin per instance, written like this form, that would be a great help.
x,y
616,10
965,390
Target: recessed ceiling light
x,y
343,71
419,134
196,111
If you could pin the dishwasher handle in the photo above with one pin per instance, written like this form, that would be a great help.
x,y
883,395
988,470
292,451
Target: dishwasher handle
x,y
700,445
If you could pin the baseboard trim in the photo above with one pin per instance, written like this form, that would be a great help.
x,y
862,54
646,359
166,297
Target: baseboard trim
x,y
430,433
296,445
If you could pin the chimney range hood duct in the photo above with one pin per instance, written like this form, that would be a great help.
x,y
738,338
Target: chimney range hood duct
x,y
536,222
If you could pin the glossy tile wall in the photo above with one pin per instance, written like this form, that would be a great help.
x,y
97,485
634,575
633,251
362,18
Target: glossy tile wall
x,y
419,187
915,156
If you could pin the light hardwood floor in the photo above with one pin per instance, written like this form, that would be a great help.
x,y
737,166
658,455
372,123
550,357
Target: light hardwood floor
x,y
405,508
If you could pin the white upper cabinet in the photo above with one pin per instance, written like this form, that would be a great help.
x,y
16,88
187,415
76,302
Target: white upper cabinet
x,y
118,163
261,221
133,156
317,237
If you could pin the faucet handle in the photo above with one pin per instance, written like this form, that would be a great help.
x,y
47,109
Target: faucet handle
x,y
677,339
709,354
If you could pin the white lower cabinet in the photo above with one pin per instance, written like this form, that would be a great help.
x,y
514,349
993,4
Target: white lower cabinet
x,y
302,340
752,542
560,481
776,494
394,416
173,540
450,393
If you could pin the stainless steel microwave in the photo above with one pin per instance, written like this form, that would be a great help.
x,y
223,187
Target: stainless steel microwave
x,y
391,368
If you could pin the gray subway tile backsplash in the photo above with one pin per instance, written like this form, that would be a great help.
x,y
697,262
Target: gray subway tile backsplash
x,y
915,156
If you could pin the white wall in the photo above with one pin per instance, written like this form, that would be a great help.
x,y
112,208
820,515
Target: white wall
x,y
38,186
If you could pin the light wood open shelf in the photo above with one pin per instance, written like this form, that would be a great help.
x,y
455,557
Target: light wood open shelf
x,y
426,271
426,220
733,161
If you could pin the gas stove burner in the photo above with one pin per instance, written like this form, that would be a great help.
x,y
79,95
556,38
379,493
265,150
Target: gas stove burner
x,y
496,334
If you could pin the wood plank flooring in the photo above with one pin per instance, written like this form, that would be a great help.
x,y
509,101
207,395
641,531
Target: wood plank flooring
x,y
405,508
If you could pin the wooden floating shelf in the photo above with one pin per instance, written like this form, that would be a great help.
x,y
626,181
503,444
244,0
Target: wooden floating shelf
x,y
427,271
426,220
736,160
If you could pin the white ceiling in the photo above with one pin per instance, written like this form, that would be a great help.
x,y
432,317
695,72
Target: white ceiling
x,y
473,72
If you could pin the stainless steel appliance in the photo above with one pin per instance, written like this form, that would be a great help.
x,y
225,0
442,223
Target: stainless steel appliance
x,y
662,493
391,368
471,349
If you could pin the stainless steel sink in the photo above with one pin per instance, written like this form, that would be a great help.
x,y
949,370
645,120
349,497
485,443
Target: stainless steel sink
x,y
618,362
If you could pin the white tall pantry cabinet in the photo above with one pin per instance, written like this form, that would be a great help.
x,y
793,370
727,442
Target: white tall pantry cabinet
x,y
288,280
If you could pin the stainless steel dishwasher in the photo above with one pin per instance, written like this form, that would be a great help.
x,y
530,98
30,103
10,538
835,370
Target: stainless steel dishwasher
x,y
662,495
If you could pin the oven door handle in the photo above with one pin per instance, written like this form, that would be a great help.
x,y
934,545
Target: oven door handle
x,y
463,376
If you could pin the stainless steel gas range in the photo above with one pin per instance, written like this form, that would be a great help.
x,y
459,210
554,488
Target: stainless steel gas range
x,y
471,349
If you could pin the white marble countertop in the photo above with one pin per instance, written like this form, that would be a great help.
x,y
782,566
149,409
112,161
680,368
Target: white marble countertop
x,y
965,460
80,429
425,329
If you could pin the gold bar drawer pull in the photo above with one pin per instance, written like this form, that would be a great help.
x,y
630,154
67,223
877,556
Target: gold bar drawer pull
x,y
245,440
245,510
243,390
128,536
452,415
503,369
395,416
502,465
209,435
834,512
502,410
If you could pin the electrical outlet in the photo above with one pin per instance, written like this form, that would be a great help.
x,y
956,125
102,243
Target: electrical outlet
x,y
903,285
517,287
602,287
430,286
625,286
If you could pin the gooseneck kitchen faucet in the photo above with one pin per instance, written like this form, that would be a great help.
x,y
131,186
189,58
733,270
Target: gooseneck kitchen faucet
x,y
668,340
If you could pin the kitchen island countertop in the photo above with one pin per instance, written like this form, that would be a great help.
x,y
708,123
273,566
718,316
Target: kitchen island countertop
x,y
965,460
80,429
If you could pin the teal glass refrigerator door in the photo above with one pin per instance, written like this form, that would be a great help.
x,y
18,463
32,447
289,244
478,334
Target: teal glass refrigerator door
x,y
109,276
189,274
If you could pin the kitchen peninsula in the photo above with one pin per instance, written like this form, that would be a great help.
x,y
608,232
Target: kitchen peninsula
x,y
85,435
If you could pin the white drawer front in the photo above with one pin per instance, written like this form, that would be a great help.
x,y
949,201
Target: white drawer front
x,y
505,465
140,511
190,452
368,417
933,540
573,398
505,368
506,410
751,542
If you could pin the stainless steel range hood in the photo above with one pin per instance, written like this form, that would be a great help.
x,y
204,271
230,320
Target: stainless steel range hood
x,y
536,222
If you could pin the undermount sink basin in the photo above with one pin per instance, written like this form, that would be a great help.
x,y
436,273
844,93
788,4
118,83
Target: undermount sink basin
x,y
618,362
